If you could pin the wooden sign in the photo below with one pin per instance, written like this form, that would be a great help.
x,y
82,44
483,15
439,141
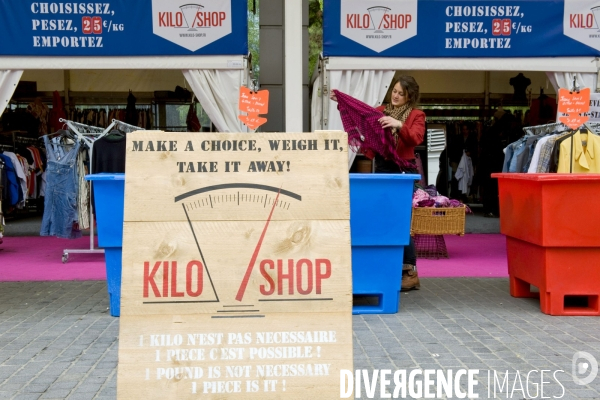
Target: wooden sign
x,y
236,280
253,103
574,105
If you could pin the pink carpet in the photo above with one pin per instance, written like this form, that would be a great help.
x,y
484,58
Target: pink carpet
x,y
36,258
472,255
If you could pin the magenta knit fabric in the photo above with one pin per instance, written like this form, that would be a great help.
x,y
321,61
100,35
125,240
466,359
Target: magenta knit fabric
x,y
364,131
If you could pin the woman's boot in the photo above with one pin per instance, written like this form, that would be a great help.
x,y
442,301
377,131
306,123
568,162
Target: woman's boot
x,y
410,279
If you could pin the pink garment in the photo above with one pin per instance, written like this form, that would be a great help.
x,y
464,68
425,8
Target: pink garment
x,y
441,201
418,196
422,199
364,131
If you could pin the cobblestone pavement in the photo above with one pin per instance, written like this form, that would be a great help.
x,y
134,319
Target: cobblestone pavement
x,y
58,340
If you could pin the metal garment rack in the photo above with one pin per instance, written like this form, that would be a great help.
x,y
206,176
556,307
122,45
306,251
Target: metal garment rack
x,y
115,124
82,131
122,126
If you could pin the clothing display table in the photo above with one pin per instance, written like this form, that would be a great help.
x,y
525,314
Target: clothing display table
x,y
552,242
380,214
109,200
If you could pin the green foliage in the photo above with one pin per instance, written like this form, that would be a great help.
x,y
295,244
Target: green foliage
x,y
253,36
315,33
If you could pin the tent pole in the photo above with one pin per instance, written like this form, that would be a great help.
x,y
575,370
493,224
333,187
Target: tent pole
x,y
486,94
67,87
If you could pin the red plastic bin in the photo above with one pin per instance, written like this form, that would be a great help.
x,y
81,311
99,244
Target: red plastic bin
x,y
567,284
550,209
553,240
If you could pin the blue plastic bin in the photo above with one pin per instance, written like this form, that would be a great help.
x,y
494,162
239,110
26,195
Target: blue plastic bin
x,y
380,213
109,203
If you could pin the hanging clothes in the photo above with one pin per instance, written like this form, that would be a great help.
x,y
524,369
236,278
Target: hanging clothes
x,y
542,110
11,184
108,153
58,112
580,155
545,161
464,173
83,197
532,168
60,204
21,177
192,121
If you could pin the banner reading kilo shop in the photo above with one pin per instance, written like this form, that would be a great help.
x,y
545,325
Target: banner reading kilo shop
x,y
430,28
123,27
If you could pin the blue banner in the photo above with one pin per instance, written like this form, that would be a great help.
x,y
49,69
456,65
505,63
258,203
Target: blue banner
x,y
124,28
468,28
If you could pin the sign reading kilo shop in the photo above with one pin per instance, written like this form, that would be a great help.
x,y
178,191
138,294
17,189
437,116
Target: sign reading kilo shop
x,y
463,28
236,278
582,21
123,27
191,25
378,24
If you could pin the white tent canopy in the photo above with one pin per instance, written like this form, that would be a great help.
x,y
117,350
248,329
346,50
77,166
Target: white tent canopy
x,y
215,80
367,78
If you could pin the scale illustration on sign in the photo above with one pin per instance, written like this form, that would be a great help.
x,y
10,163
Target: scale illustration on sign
x,y
238,195
190,11
377,13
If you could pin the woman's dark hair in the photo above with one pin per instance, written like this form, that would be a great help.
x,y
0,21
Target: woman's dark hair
x,y
411,89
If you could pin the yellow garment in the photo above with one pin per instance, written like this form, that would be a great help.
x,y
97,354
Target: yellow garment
x,y
586,159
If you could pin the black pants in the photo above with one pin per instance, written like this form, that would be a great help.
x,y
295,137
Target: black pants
x,y
383,166
490,200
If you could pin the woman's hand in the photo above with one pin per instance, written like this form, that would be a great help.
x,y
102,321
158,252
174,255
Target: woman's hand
x,y
389,122
332,95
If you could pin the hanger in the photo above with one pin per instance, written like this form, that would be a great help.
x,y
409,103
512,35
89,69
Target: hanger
x,y
114,134
545,129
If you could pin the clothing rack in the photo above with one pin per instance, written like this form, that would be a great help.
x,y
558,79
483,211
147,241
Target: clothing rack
x,y
99,132
547,128
121,126
83,132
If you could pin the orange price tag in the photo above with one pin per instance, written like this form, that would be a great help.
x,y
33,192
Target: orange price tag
x,y
574,102
252,121
254,102
573,122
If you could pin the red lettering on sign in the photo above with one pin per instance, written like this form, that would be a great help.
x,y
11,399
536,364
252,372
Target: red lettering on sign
x,y
194,281
395,21
581,21
189,278
170,20
358,21
303,276
309,276
149,278
267,277
174,292
206,19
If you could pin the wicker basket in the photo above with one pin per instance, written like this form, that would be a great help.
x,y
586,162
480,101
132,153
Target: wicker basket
x,y
438,221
